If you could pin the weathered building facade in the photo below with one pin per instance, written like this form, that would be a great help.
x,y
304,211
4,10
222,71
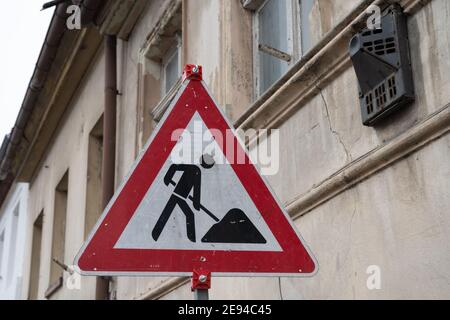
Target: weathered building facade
x,y
360,196
13,242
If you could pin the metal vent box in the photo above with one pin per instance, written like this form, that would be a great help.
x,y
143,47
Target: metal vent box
x,y
382,64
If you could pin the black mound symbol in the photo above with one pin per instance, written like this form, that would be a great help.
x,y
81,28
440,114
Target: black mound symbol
x,y
235,227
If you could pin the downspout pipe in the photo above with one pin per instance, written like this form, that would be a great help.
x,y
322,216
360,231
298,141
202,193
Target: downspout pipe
x,y
109,120
109,140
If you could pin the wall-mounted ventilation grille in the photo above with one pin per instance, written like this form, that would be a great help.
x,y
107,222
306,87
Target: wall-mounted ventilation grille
x,y
380,96
369,102
381,46
382,65
371,32
384,94
392,87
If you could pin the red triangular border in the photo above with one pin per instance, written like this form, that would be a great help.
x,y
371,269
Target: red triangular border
x,y
98,256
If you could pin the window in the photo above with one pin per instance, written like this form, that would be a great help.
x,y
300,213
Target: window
x,y
274,42
171,68
94,205
159,70
281,36
306,7
2,248
94,177
59,234
35,257
12,245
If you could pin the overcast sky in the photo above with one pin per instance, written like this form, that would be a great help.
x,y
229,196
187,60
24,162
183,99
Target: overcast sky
x,y
22,31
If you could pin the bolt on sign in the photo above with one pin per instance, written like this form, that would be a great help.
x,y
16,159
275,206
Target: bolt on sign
x,y
188,205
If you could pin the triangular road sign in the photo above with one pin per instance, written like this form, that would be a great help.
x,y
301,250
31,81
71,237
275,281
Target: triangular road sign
x,y
189,204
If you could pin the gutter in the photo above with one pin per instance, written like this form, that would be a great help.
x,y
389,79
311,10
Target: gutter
x,y
107,15
55,33
5,185
48,52
89,10
4,146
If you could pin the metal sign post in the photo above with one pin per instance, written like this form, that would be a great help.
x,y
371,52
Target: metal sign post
x,y
201,283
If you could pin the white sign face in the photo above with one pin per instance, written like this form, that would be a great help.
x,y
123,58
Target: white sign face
x,y
166,219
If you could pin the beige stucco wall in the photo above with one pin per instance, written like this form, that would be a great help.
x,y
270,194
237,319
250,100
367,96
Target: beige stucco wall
x,y
68,152
397,218
388,220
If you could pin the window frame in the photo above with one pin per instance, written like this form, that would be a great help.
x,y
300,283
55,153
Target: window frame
x,y
2,253
170,53
293,20
36,249
13,239
159,40
59,220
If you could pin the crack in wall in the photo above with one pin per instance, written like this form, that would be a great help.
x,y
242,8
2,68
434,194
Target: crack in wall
x,y
280,289
332,130
355,201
